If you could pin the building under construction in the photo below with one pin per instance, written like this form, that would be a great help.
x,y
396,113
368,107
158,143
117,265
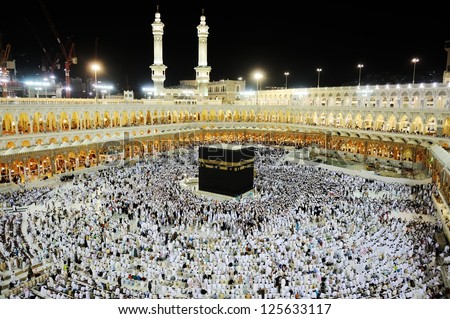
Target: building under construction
x,y
7,70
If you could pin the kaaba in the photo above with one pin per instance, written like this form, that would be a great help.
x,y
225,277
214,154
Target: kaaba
x,y
226,169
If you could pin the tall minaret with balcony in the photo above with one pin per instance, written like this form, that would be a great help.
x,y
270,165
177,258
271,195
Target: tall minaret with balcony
x,y
447,67
202,71
158,67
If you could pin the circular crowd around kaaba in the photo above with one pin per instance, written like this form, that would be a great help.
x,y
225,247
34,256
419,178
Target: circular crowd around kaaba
x,y
134,232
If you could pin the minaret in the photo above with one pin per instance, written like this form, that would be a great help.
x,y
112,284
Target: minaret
x,y
447,67
158,67
202,70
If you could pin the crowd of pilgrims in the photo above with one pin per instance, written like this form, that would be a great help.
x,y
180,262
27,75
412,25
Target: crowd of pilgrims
x,y
24,197
308,232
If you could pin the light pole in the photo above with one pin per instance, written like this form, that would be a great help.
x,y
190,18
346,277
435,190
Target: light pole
x,y
414,61
360,66
95,67
286,75
258,76
318,77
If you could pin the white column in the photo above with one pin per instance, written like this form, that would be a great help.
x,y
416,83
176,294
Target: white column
x,y
202,71
158,68
16,129
202,29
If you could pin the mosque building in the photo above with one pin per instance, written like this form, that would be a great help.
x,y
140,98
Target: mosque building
x,y
405,128
394,124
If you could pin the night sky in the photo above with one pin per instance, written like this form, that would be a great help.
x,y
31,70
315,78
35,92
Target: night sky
x,y
244,36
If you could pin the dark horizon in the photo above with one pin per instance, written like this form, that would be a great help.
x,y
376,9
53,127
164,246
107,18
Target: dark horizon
x,y
273,39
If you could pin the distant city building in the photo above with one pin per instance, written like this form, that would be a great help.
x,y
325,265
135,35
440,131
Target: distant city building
x,y
227,91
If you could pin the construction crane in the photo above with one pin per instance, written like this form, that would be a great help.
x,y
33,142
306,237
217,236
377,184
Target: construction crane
x,y
67,53
4,56
48,64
